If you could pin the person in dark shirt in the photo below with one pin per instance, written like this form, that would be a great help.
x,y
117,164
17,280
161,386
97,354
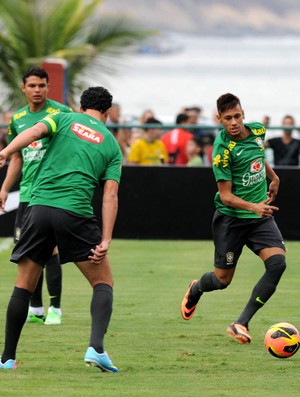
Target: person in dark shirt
x,y
285,148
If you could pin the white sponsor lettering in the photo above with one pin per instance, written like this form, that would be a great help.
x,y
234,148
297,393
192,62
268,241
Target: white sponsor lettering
x,y
253,179
32,155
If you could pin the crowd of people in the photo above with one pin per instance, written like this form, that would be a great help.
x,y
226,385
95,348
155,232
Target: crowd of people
x,y
152,143
191,140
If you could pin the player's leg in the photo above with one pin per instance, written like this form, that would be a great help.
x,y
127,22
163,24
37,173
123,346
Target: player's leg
x,y
54,285
265,234
228,247
76,247
36,308
210,281
27,278
274,260
39,240
100,278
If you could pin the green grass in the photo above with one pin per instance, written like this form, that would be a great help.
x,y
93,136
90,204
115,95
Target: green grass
x,y
158,353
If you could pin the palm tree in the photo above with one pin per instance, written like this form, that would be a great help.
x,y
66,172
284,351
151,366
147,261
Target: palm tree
x,y
34,30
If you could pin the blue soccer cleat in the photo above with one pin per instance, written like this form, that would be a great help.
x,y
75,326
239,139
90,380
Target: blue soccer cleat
x,y
9,364
100,360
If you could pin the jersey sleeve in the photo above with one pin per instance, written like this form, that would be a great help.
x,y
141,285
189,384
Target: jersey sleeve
x,y
114,167
51,122
11,131
66,109
221,163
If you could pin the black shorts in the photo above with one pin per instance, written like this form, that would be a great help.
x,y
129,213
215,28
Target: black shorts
x,y
20,217
231,234
47,227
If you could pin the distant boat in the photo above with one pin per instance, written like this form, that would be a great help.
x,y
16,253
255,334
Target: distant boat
x,y
159,46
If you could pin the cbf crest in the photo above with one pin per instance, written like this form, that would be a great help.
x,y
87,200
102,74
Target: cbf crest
x,y
260,143
229,258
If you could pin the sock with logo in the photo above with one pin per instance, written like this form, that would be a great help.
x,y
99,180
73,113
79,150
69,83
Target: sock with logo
x,y
54,280
264,289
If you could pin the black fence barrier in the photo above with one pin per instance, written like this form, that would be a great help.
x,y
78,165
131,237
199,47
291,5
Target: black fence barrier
x,y
165,203
176,203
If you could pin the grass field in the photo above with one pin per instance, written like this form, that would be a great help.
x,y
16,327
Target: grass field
x,y
158,353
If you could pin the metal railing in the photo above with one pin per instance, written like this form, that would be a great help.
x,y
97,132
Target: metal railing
x,y
168,126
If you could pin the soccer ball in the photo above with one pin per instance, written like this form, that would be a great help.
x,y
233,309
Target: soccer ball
x,y
282,340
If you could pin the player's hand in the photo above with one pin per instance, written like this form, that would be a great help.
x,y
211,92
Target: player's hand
x,y
3,198
3,158
273,190
264,210
99,252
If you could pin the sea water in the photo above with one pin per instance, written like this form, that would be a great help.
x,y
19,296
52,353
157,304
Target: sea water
x,y
263,71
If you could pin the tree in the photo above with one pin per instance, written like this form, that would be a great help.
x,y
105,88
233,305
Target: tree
x,y
34,30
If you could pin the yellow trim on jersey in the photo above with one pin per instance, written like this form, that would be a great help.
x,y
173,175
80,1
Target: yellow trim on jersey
x,y
52,123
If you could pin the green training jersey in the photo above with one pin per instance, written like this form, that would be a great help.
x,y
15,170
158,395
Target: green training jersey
x,y
243,163
81,152
32,154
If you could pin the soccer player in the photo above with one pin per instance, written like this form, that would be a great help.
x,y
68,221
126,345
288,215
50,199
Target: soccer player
x,y
243,215
35,87
81,153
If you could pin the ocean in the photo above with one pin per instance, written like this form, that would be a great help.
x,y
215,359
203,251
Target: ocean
x,y
263,71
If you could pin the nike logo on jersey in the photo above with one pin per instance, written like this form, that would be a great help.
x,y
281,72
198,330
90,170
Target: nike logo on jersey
x,y
22,125
240,152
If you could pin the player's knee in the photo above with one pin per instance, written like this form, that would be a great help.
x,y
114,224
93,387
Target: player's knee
x,y
275,266
219,284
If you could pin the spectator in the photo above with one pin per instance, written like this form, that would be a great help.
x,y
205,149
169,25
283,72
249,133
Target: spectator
x,y
147,114
149,150
266,121
3,130
112,123
176,140
286,149
132,136
206,136
114,118
193,150
194,114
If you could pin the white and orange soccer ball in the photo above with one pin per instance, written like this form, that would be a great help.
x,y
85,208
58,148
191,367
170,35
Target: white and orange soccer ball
x,y
282,340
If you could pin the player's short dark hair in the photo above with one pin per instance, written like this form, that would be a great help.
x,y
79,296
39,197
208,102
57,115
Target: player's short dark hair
x,y
35,71
97,98
226,102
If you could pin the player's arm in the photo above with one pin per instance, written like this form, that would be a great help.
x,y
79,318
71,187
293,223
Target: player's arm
x,y
22,140
274,184
231,200
13,173
109,214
